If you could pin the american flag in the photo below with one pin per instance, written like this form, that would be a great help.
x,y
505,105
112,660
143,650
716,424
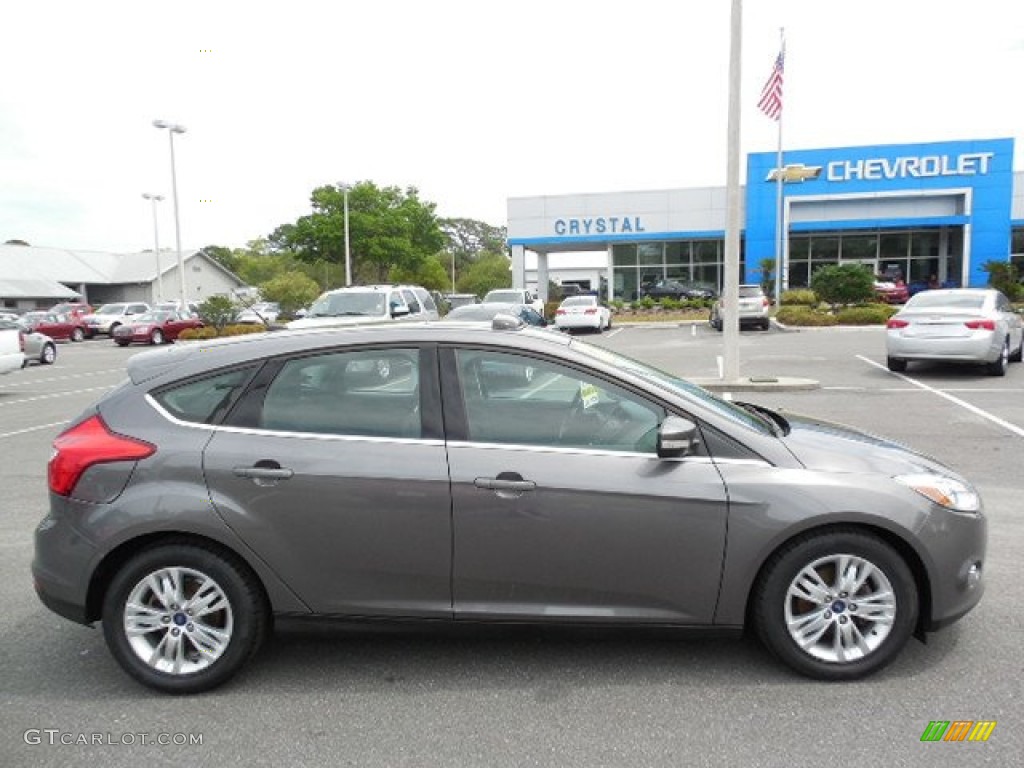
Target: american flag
x,y
771,95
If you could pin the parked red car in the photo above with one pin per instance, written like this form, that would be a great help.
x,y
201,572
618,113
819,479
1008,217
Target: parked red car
x,y
154,327
892,292
61,327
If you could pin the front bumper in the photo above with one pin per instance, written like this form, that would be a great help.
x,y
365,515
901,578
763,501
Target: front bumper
x,y
955,544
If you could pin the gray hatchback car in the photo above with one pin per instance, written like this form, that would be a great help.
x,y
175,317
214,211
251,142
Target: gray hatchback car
x,y
228,482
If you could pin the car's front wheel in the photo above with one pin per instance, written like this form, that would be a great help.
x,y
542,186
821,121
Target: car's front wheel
x,y
48,355
157,337
77,335
836,605
182,619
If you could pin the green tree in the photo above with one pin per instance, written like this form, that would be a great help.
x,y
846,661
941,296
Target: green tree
x,y
430,274
767,269
388,228
466,240
1003,276
486,274
839,284
226,257
217,311
292,290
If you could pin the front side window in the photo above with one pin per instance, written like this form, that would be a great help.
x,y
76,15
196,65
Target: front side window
x,y
513,399
367,392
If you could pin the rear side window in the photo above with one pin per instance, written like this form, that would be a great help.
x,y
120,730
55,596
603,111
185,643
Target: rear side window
x,y
410,299
199,400
368,393
425,299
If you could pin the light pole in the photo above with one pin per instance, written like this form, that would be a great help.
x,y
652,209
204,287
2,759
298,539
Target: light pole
x,y
348,256
173,128
154,199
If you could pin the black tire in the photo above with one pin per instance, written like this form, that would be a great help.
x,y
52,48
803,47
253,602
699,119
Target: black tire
x,y
122,342
840,613
245,618
1001,363
766,325
1016,357
77,334
49,354
156,337
896,365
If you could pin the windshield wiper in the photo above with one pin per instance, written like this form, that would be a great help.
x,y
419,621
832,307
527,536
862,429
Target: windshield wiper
x,y
778,422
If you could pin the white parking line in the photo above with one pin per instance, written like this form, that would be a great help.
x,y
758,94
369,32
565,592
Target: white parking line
x,y
31,429
614,332
55,394
955,400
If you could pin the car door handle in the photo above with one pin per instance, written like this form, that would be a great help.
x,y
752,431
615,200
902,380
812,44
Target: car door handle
x,y
507,485
264,473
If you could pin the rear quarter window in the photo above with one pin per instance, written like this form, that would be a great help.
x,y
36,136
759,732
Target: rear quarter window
x,y
199,400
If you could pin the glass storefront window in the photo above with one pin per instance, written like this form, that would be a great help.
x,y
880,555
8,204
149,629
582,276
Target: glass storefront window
x,y
798,274
924,244
895,245
799,247
860,248
825,250
677,253
624,255
707,251
650,253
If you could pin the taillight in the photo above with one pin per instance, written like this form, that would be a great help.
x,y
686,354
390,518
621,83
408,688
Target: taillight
x,y
977,325
559,311
765,302
590,311
88,443
896,323
21,341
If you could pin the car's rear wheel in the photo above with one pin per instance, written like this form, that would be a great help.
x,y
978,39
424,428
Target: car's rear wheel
x,y
895,364
1000,364
48,355
182,618
122,342
77,334
157,337
1017,356
836,605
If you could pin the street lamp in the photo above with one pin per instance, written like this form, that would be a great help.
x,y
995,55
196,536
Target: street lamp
x,y
154,199
173,128
348,256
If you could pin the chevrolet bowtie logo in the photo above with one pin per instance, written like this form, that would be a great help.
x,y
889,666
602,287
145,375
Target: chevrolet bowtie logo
x,y
796,172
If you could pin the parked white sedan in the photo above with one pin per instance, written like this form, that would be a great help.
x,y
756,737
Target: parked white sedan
x,y
956,325
578,312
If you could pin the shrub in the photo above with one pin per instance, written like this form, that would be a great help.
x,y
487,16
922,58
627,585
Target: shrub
x,y
800,297
646,303
549,310
670,304
1002,275
801,315
873,314
840,284
192,334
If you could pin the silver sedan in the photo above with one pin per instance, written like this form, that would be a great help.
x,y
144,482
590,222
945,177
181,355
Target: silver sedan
x,y
956,325
39,347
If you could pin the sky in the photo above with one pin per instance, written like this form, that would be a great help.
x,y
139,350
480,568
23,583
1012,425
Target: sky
x,y
471,102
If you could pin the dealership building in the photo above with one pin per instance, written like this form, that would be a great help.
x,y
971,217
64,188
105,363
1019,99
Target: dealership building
x,y
938,209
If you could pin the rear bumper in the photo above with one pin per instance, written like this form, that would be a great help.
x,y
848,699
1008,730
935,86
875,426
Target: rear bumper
x,y
61,569
978,348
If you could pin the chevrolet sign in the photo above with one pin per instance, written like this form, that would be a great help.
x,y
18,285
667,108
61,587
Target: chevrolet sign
x,y
795,172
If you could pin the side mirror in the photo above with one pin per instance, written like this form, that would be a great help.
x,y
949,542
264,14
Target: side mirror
x,y
677,437
398,310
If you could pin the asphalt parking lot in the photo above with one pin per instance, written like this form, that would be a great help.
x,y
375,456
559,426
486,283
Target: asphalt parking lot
x,y
517,698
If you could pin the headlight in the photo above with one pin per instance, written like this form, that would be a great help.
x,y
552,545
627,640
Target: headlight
x,y
944,491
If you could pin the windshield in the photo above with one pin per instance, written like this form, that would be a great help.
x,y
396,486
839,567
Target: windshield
x,y
676,385
357,303
947,299
580,301
509,297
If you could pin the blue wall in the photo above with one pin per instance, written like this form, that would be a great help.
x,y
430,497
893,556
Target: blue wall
x,y
984,166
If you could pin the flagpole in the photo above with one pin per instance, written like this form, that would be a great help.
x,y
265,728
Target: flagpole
x,y
781,266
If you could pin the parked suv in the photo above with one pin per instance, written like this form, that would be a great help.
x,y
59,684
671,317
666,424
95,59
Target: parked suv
x,y
753,309
515,296
363,304
109,316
